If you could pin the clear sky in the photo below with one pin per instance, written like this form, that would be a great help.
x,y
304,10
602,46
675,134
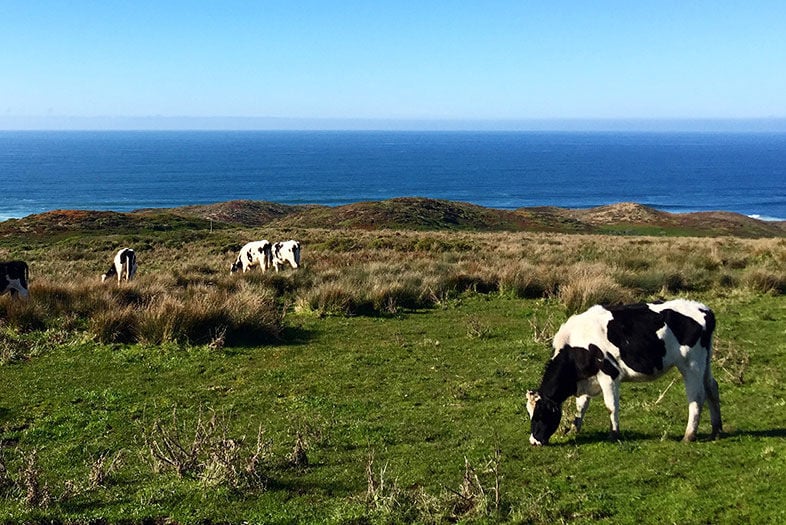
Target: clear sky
x,y
465,60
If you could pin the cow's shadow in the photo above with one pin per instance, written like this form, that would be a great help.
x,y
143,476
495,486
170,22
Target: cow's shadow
x,y
758,433
289,336
633,436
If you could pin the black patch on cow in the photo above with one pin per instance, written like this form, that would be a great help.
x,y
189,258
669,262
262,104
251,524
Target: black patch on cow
x,y
610,367
686,330
560,376
587,360
13,270
127,257
633,329
709,328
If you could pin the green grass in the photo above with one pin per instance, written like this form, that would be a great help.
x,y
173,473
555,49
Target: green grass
x,y
422,392
401,361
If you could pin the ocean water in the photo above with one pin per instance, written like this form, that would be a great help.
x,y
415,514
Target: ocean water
x,y
122,171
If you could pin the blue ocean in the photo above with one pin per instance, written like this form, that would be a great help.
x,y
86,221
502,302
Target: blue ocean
x,y
122,170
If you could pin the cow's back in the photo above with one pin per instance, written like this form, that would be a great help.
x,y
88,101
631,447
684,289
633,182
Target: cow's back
x,y
583,329
645,339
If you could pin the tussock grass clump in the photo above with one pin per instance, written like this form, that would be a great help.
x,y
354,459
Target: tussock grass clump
x,y
765,280
587,285
527,280
199,316
120,325
329,298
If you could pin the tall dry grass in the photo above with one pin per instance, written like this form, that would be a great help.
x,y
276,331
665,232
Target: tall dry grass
x,y
184,292
149,311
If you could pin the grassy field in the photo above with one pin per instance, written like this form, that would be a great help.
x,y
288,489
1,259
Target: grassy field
x,y
382,382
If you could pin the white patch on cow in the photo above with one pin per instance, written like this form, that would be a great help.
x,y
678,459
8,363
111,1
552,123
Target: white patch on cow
x,y
532,399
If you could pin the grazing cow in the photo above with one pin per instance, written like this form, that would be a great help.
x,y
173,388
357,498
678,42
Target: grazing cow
x,y
286,252
124,266
594,351
13,279
255,253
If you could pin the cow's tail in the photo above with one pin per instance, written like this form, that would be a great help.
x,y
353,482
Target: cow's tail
x,y
707,335
130,263
710,384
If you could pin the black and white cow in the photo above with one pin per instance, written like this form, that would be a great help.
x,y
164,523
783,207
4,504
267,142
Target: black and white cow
x,y
596,350
254,253
124,266
14,276
286,252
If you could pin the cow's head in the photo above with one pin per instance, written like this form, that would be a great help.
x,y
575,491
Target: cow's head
x,y
235,266
545,415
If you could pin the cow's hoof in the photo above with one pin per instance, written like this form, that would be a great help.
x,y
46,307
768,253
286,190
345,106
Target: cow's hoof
x,y
689,438
614,436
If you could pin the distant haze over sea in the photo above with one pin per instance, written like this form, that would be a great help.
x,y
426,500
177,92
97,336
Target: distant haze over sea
x,y
172,123
742,171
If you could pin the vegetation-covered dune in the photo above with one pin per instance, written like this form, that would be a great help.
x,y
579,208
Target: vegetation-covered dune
x,y
381,382
410,213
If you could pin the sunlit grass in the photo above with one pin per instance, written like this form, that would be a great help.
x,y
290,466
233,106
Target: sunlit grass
x,y
381,382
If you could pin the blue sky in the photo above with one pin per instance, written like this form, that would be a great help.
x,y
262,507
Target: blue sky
x,y
397,60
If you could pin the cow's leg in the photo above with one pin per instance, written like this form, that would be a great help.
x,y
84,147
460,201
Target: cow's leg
x,y
582,404
694,389
713,397
611,398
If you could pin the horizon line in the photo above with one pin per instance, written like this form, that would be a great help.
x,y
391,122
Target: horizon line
x,y
224,123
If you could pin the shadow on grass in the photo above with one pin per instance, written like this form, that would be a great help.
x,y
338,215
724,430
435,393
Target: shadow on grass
x,y
297,335
761,433
289,336
633,436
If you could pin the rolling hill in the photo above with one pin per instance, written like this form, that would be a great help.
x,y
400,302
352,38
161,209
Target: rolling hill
x,y
406,213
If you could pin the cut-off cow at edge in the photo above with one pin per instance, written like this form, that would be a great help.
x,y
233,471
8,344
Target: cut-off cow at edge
x,y
597,350
14,277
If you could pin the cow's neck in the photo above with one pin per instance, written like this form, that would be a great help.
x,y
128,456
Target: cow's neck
x,y
559,379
